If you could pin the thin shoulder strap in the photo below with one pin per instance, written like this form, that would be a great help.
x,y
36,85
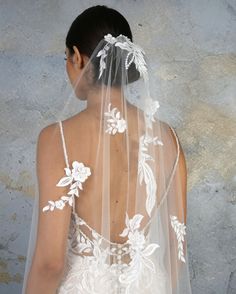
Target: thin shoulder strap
x,y
64,144
171,177
177,142
174,167
65,155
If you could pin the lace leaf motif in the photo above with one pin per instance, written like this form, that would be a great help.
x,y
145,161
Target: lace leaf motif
x,y
145,172
135,51
74,177
179,229
140,251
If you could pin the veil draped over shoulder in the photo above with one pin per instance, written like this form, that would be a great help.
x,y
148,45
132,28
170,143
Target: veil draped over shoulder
x,y
125,183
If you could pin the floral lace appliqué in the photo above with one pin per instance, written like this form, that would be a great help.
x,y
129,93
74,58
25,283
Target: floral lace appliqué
x,y
150,109
135,54
74,177
179,229
140,252
115,123
145,172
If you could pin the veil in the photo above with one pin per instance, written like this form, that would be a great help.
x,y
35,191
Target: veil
x,y
124,177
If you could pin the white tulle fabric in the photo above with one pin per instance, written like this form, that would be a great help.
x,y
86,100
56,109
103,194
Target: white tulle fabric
x,y
152,258
92,273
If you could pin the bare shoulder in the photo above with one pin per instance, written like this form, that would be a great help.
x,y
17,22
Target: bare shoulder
x,y
168,136
49,136
180,151
47,131
79,123
172,145
182,165
49,146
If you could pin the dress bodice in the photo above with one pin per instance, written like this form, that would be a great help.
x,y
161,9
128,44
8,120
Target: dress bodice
x,y
96,265
83,239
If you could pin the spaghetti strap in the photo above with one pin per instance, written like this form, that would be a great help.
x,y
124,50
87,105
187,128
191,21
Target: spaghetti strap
x,y
176,161
65,156
64,144
177,142
171,177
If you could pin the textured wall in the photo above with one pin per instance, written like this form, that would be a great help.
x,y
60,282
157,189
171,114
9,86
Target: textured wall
x,y
193,47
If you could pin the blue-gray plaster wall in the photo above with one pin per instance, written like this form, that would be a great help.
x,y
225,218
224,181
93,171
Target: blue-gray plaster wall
x,y
193,47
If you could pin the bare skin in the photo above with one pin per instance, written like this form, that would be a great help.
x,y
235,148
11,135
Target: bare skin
x,y
47,266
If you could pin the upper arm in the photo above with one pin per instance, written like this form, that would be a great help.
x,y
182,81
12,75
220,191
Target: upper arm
x,y
177,205
173,167
183,175
180,193
53,225
179,185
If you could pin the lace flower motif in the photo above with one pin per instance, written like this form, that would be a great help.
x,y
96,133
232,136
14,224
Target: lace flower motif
x,y
140,251
135,54
179,229
114,122
74,177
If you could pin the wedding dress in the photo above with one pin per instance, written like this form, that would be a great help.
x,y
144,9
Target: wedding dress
x,y
152,256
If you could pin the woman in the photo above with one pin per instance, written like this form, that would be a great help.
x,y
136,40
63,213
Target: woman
x,y
111,207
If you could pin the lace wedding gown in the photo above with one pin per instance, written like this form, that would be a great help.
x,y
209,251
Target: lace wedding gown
x,y
97,265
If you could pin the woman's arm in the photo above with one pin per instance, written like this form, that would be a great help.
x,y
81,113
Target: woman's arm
x,y
43,280
182,170
179,196
53,226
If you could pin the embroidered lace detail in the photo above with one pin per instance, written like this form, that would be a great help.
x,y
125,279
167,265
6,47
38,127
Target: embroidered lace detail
x,y
139,253
114,122
179,229
135,54
74,177
150,110
145,172
122,268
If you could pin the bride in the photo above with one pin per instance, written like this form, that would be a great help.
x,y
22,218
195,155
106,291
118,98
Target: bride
x,y
111,205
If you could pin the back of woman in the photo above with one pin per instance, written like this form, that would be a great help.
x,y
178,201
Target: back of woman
x,y
111,178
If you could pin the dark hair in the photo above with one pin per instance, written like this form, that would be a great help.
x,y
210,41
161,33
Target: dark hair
x,y
89,28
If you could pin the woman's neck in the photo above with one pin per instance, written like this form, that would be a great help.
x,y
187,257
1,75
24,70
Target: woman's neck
x,y
102,97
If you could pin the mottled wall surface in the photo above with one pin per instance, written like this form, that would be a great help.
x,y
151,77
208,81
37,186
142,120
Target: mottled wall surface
x,y
193,47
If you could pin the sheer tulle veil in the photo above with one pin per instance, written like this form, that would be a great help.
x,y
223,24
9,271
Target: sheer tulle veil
x,y
135,175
